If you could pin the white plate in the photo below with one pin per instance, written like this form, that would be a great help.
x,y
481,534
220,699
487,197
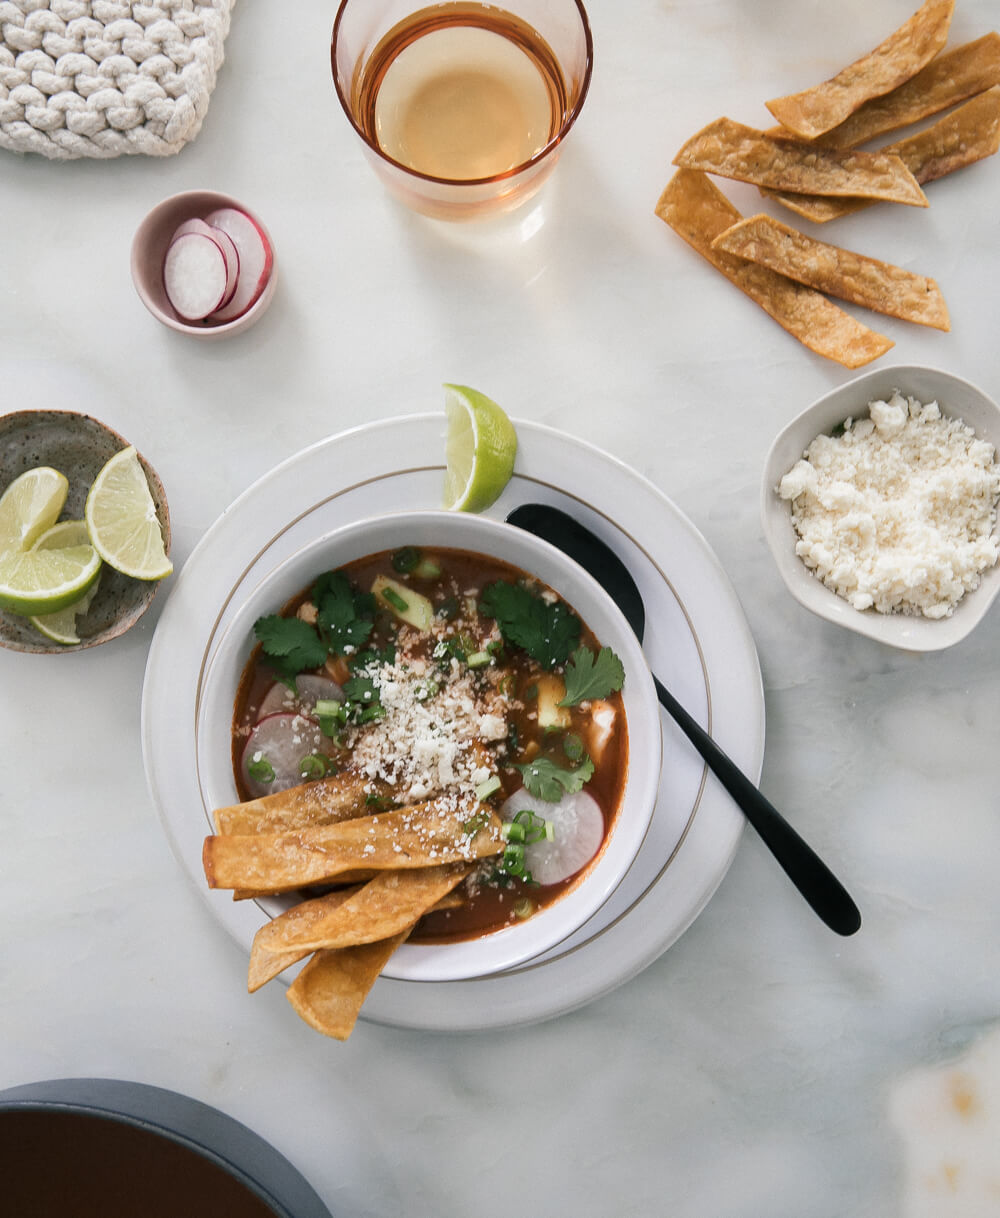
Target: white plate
x,y
697,641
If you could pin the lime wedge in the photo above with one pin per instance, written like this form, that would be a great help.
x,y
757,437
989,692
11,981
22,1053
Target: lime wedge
x,y
60,626
121,519
34,582
479,450
30,505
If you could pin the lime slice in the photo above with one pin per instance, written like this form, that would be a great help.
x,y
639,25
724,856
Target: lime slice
x,y
60,627
479,450
121,519
30,505
36,582
62,535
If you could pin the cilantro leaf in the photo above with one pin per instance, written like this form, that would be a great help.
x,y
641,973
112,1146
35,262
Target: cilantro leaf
x,y
345,616
290,644
590,676
364,703
546,632
546,780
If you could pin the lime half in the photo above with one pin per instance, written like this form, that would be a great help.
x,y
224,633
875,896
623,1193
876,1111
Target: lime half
x,y
30,505
479,450
60,626
121,519
36,582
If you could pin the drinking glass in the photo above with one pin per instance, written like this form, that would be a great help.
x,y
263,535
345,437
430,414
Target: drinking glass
x,y
462,107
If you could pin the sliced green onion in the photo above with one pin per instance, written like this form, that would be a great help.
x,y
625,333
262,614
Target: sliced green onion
x,y
572,746
472,826
381,802
513,831
427,568
405,560
479,659
260,770
487,788
316,765
528,827
513,859
330,715
394,599
523,908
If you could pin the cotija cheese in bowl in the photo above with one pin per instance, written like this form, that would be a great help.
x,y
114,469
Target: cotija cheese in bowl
x,y
879,504
431,725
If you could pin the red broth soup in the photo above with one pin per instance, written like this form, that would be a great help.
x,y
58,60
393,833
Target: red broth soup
x,y
411,674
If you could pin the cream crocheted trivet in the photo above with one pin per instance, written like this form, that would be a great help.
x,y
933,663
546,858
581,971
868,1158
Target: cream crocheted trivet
x,y
98,78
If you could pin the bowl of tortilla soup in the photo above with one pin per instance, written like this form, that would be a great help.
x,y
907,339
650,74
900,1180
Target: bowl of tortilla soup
x,y
431,727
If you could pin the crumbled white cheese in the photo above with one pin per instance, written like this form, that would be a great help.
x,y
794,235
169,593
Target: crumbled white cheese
x,y
897,513
427,744
492,727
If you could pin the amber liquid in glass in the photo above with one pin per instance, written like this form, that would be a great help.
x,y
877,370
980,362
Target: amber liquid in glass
x,y
461,92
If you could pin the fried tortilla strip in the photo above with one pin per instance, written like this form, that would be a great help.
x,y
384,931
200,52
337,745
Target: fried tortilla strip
x,y
969,134
732,150
391,902
338,797
419,836
953,77
839,272
330,990
906,50
266,964
698,211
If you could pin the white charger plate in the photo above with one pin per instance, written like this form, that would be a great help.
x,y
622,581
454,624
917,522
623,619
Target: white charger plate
x,y
697,641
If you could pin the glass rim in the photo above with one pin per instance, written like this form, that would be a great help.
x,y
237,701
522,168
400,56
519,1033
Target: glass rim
x,y
538,157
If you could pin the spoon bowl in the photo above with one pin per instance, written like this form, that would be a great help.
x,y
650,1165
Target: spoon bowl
x,y
810,875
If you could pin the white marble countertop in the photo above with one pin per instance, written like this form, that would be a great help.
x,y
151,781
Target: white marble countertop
x,y
761,1066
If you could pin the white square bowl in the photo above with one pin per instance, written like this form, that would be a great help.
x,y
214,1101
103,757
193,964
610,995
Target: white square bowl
x,y
957,398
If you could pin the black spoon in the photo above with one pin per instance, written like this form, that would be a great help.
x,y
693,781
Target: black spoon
x,y
810,875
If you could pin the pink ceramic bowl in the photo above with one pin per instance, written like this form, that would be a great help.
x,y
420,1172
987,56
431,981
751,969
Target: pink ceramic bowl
x,y
149,248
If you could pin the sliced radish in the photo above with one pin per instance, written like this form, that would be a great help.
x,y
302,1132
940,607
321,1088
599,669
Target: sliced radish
x,y
256,260
578,830
232,261
282,741
279,698
308,691
225,242
313,689
195,275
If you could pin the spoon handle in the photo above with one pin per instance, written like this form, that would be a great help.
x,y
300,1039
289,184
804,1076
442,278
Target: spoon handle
x,y
807,871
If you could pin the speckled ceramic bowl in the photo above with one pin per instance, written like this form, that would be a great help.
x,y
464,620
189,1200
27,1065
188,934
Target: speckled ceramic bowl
x,y
78,446
149,248
957,399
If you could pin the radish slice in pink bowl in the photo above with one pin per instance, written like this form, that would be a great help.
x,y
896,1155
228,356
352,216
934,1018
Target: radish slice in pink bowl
x,y
256,260
189,303
225,243
195,275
